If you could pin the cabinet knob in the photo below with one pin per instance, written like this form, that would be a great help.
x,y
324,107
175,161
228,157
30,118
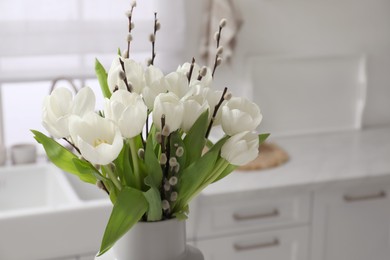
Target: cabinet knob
x,y
240,247
243,217
379,195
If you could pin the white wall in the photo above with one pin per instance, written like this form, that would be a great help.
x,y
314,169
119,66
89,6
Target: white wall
x,y
329,27
307,28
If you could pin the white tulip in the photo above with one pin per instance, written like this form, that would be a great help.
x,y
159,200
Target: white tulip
x,y
239,115
194,106
134,75
211,96
177,84
98,138
128,111
241,148
84,102
59,106
168,104
155,84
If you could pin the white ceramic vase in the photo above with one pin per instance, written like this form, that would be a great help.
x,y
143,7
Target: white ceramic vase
x,y
162,240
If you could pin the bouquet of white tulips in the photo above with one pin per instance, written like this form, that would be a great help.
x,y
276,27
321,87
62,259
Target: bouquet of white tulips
x,y
148,148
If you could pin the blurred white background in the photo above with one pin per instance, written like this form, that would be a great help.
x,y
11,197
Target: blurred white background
x,y
45,39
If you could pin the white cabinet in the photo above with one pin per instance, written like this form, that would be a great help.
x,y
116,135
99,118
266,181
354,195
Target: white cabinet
x,y
284,244
352,222
238,213
254,225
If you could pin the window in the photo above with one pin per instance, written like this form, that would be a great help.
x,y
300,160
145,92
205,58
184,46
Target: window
x,y
45,39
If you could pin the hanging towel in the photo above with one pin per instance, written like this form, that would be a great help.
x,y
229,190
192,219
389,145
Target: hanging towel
x,y
215,11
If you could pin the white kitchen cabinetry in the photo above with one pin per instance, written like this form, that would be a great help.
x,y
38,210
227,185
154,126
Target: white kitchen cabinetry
x,y
266,225
284,244
352,222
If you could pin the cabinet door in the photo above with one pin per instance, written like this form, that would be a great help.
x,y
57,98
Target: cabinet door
x,y
352,224
285,244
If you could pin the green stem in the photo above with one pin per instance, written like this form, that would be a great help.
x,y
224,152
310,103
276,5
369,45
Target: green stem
x,y
220,166
134,157
112,177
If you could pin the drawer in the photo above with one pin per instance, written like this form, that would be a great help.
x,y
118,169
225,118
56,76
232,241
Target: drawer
x,y
251,212
284,244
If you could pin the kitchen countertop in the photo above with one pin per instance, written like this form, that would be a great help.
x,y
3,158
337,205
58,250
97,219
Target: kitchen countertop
x,y
317,159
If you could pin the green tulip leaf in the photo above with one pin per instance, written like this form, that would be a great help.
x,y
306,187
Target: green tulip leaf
x,y
153,180
153,166
101,75
130,206
229,169
124,168
195,139
63,158
84,166
182,214
196,174
263,137
154,200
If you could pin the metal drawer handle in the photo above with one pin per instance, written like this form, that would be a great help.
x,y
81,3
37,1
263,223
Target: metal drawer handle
x,y
243,217
379,195
272,243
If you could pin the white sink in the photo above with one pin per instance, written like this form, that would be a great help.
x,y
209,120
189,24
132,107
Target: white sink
x,y
43,217
32,189
85,191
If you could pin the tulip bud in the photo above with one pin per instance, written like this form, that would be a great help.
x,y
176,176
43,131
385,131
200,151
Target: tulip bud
x,y
239,115
241,148
168,104
194,106
60,106
124,104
